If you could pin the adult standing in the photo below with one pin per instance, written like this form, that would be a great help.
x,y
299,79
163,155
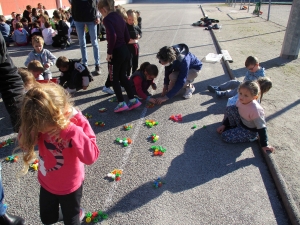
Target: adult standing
x,y
84,13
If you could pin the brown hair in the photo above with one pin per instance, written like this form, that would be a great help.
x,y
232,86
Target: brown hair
x,y
251,61
27,77
35,66
166,54
19,25
2,18
62,62
132,13
37,40
252,86
109,5
265,85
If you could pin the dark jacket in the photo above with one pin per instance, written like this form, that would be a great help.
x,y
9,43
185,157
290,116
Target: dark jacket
x,y
84,10
183,63
144,84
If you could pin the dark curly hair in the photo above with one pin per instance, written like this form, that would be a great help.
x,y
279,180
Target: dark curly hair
x,y
166,54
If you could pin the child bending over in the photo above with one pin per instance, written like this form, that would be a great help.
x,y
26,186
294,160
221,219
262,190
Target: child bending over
x,y
66,142
229,88
245,121
74,75
45,57
142,79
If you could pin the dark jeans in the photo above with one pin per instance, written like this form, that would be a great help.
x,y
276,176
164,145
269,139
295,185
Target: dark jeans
x,y
119,63
70,206
134,58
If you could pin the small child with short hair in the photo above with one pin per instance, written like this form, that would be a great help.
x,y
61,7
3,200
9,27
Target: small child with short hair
x,y
45,57
28,78
36,68
229,88
4,29
20,35
142,79
48,33
74,75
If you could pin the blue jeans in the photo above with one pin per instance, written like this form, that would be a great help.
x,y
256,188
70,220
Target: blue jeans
x,y
82,42
2,206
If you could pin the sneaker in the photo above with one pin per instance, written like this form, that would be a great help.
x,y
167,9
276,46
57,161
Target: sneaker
x,y
213,89
71,91
123,89
134,103
108,90
81,214
121,107
97,70
221,94
189,92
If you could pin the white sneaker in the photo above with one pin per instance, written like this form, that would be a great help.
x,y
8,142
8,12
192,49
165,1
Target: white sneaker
x,y
108,90
81,214
71,91
189,92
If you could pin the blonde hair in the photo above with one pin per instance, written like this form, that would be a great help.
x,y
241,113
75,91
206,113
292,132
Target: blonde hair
x,y
122,12
132,13
28,79
109,5
252,86
35,66
37,40
44,105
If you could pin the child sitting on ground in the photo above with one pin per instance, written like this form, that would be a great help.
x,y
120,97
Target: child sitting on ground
x,y
245,121
4,29
46,58
48,33
36,68
61,39
20,35
229,88
142,79
74,75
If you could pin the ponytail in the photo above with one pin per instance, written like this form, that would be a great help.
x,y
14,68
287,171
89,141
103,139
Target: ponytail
x,y
265,85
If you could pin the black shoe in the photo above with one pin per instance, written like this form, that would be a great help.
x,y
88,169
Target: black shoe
x,y
213,89
8,219
97,70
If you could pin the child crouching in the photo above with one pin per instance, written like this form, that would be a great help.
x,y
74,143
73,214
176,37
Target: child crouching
x,y
74,75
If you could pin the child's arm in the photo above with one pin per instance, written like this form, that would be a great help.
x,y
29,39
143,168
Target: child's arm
x,y
51,58
30,57
138,87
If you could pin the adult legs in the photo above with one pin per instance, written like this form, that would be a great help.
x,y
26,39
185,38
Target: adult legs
x,y
81,38
192,74
94,40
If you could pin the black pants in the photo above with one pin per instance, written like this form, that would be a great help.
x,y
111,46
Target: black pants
x,y
134,58
70,206
13,107
119,63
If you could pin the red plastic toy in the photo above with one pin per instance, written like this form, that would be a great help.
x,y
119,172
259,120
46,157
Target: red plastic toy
x,y
176,118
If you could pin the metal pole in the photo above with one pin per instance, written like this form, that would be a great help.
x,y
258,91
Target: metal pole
x,y
234,3
248,5
269,10
241,5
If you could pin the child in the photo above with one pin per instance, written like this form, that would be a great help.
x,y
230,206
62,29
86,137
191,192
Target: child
x,y
142,79
139,19
48,33
36,68
20,35
117,53
24,22
43,55
16,20
74,75
229,88
35,30
34,15
265,84
4,29
66,142
245,121
61,39
28,78
42,19
135,34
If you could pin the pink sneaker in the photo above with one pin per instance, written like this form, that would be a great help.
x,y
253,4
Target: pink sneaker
x,y
132,105
121,107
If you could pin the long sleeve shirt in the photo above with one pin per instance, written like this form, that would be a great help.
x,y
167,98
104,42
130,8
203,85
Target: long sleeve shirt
x,y
44,57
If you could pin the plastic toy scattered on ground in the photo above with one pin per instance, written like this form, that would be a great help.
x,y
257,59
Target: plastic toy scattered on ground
x,y
151,123
194,127
12,158
88,116
103,110
35,165
124,141
95,217
115,174
150,105
154,137
158,150
127,126
113,99
100,123
6,143
176,118
158,183
204,126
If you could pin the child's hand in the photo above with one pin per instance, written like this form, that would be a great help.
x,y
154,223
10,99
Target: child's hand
x,y
108,58
268,148
220,129
84,87
47,65
152,100
165,90
161,100
154,87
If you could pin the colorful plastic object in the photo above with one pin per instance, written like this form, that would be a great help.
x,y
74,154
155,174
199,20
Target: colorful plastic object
x,y
113,99
35,165
124,141
194,127
176,118
115,174
88,116
150,105
12,158
127,126
158,150
6,143
151,123
103,110
158,183
100,123
95,217
154,137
